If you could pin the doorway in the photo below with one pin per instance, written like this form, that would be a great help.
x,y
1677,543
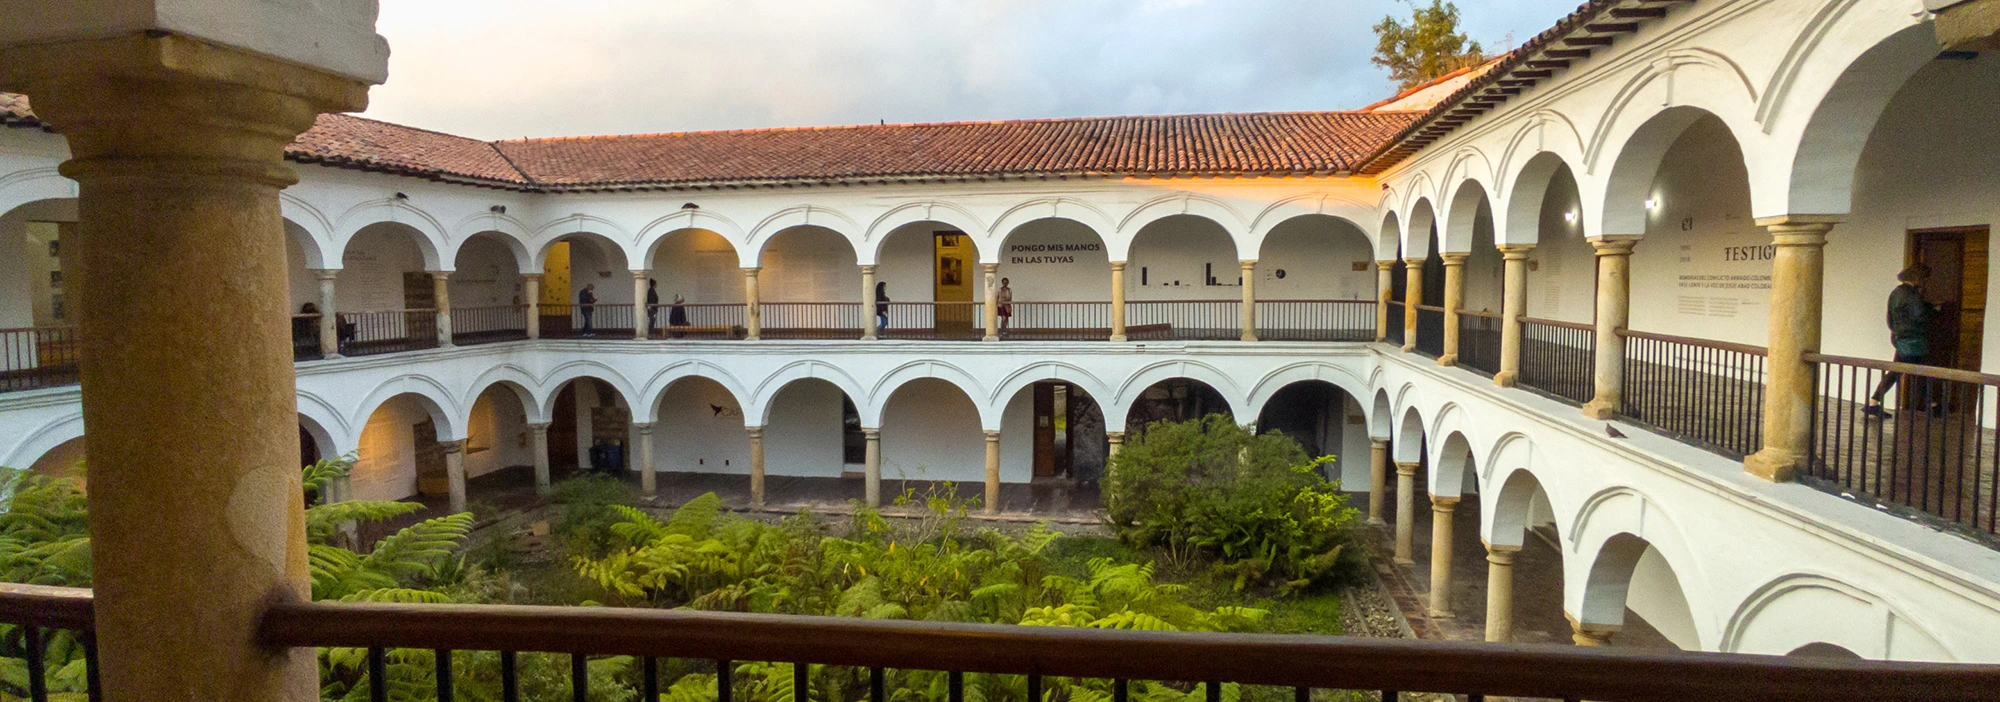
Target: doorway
x,y
555,309
1054,451
1957,259
953,287
432,479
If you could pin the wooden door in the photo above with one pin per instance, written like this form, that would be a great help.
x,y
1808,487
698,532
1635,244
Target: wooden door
x,y
431,476
419,293
1957,259
562,430
1045,430
957,267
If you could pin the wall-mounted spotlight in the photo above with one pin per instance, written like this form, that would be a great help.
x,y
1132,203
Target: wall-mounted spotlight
x,y
497,209
401,196
1652,203
1570,216
690,206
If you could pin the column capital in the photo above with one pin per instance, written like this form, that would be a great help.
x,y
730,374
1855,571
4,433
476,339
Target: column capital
x,y
751,270
645,428
1443,505
451,447
1248,263
1514,252
868,433
1501,555
992,436
641,275
1115,434
754,432
867,269
539,426
537,277
1378,443
1799,230
989,268
1590,634
1414,262
1406,468
1455,258
1386,263
326,273
1614,244
439,275
1117,265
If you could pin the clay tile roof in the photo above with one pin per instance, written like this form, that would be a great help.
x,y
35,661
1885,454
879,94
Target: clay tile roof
x,y
1216,144
359,142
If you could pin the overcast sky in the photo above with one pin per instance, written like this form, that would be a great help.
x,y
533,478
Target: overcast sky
x,y
501,69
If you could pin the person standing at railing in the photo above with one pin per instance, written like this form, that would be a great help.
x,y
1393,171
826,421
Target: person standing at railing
x,y
305,327
677,318
1004,300
1910,320
881,306
586,304
652,303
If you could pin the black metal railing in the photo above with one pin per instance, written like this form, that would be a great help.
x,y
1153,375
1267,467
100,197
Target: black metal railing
x,y
1916,438
1430,330
53,629
1055,321
41,357
811,320
1183,320
598,321
391,331
485,325
1316,320
305,337
1395,328
957,321
1479,341
1559,359
1706,392
698,321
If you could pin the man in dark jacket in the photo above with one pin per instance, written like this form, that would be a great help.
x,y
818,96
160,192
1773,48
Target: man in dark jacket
x,y
1910,320
586,304
652,303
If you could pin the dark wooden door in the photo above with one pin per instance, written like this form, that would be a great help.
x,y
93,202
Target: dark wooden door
x,y
1957,259
562,430
1045,430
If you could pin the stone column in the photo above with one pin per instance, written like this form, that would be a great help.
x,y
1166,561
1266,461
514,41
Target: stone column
x,y
531,291
454,474
1406,505
441,289
329,315
868,308
872,465
1117,300
1796,290
992,472
1454,298
1590,634
649,482
1614,300
756,467
753,310
177,149
1413,295
1378,475
539,443
1441,511
1500,593
1116,439
1513,307
1248,315
641,323
1385,292
992,301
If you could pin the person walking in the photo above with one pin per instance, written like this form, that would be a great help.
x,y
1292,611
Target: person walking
x,y
1004,299
881,306
586,304
1910,320
652,303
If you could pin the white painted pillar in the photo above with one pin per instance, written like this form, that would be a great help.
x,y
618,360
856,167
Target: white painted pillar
x,y
329,315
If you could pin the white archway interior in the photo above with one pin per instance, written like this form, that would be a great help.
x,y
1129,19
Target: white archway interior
x,y
497,432
1702,244
30,236
486,273
1068,432
1182,257
1630,573
399,450
1562,277
1056,260
931,431
699,265
1316,257
381,269
699,428
809,264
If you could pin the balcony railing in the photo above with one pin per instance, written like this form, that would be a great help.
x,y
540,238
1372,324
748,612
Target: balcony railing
x,y
1927,447
1479,341
1430,330
1559,358
1056,321
41,357
58,619
393,331
1184,320
1710,393
1395,329
305,337
1036,658
485,325
931,320
598,321
698,321
1316,320
811,320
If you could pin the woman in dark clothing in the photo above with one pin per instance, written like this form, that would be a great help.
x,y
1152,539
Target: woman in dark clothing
x,y
881,306
678,316
1910,320
652,304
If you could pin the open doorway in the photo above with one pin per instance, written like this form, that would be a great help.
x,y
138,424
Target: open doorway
x,y
1957,285
953,285
1068,430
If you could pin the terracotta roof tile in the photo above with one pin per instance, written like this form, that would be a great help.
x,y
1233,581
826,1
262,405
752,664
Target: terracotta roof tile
x,y
359,142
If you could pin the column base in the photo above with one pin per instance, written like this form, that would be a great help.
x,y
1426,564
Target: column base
x,y
1600,409
990,337
1376,521
1774,464
1440,614
1507,379
1117,338
1399,560
1250,337
1410,347
1448,360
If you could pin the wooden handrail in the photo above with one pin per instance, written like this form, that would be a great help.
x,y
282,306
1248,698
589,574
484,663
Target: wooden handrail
x,y
1524,319
1950,374
1173,302
1481,314
1430,308
1691,341
1331,662
47,607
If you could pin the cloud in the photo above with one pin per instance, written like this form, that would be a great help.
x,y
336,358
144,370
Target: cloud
x,y
497,69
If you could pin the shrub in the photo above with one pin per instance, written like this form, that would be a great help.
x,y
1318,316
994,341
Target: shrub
x,y
1210,488
584,504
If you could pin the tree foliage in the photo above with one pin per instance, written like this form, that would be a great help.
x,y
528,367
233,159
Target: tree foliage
x,y
1427,48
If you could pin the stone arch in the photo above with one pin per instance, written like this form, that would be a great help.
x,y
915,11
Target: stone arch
x,y
1607,589
524,260
1530,190
606,243
1640,138
1798,610
531,406
657,231
759,407
832,253
931,429
322,437
1214,210
1828,154
878,395
44,439
1129,391
428,233
1467,201
518,378
802,216
1072,209
656,387
553,382
1380,417
30,185
431,396
313,243
1511,508
1307,257
1409,441
1014,382
483,279
1339,376
1085,446
686,262
1544,131
1417,237
939,212
1339,207
1389,240
1452,458
1612,531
